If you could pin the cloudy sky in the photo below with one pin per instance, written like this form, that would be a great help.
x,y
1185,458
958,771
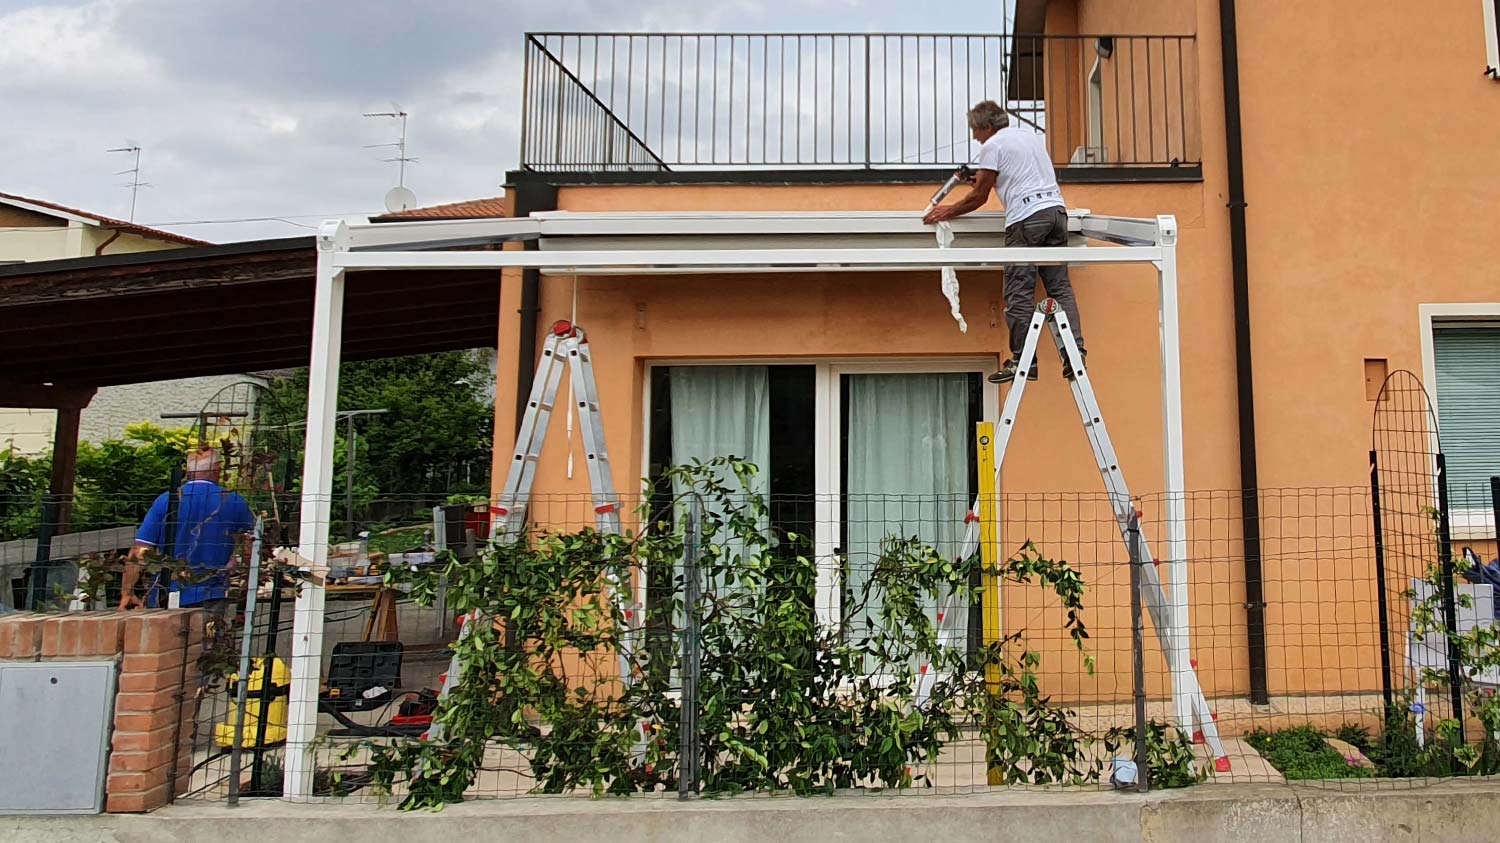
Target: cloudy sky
x,y
251,108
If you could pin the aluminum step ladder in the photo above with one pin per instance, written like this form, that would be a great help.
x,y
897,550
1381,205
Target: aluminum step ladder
x,y
1184,676
566,346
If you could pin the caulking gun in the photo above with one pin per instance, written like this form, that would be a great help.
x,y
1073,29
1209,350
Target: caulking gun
x,y
962,174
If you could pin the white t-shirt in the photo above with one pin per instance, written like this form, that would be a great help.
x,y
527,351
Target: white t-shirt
x,y
1024,179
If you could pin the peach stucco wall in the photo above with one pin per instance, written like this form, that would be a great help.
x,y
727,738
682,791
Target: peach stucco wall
x,y
1369,182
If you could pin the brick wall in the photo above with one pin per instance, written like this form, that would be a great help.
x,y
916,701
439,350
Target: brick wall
x,y
157,652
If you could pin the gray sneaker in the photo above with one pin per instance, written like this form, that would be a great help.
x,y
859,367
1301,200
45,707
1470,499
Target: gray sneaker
x,y
1008,371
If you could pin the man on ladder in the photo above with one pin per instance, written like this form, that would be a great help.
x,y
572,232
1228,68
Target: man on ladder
x,y
994,438
1013,161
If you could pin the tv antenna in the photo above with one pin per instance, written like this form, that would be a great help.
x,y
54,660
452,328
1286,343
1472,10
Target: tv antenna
x,y
135,184
399,198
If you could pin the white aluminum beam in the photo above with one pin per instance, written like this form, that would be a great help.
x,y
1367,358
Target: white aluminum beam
x,y
436,233
317,500
573,223
561,226
1125,231
1174,469
747,260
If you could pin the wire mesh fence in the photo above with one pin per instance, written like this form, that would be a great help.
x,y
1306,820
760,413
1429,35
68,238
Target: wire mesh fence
x,y
812,644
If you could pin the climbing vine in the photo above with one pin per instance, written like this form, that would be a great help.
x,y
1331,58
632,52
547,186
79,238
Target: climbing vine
x,y
1477,652
786,701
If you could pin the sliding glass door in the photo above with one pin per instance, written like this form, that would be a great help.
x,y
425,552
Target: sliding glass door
x,y
907,467
849,454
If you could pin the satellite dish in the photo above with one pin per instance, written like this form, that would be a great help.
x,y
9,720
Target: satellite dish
x,y
400,199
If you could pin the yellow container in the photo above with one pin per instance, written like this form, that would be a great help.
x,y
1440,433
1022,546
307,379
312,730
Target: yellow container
x,y
281,678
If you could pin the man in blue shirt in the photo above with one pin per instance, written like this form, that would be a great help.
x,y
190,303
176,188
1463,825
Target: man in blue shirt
x,y
211,523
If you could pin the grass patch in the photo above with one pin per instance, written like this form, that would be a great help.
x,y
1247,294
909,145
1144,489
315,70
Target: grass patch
x,y
399,540
1301,753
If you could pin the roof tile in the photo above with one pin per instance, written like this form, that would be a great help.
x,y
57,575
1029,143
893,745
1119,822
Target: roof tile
x,y
110,222
468,209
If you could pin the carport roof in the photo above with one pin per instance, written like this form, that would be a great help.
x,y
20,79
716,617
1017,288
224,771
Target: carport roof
x,y
219,310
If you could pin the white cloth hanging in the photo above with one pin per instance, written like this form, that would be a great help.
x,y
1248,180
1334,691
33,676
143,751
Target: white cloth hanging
x,y
950,277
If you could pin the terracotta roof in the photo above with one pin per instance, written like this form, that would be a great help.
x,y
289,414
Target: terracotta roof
x,y
107,222
469,209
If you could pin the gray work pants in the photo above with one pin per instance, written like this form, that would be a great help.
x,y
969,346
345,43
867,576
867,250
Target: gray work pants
x,y
1048,227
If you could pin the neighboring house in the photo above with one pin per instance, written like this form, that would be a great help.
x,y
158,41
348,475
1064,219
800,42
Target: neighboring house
x,y
1369,180
37,230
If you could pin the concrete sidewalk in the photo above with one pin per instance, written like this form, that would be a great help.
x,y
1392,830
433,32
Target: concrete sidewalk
x,y
1448,812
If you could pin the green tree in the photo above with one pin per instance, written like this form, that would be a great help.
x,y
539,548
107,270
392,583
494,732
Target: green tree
x,y
23,483
433,441
119,478
115,482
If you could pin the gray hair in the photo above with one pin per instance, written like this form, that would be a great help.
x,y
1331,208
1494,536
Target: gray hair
x,y
203,461
988,115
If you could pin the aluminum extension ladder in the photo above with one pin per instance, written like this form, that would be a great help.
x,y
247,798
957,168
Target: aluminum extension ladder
x,y
566,346
950,626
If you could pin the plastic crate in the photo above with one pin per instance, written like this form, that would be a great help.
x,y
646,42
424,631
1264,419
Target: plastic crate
x,y
356,667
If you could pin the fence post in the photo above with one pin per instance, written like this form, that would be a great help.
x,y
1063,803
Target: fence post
x,y
263,701
687,731
242,686
1450,611
1380,596
41,569
1138,653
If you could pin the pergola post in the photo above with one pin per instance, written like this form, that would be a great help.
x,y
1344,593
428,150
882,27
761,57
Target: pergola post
x,y
317,504
64,466
57,508
1174,474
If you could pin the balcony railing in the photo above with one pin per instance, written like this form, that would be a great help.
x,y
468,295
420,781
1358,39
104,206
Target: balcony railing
x,y
633,102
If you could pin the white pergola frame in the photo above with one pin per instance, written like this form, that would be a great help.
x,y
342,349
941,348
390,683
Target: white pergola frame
x,y
343,247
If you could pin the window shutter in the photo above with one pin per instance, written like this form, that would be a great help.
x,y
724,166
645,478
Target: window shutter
x,y
1467,360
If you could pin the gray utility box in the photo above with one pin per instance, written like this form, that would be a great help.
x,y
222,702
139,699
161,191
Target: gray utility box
x,y
55,723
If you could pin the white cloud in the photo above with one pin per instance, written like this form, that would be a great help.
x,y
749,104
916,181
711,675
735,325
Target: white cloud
x,y
59,47
253,108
